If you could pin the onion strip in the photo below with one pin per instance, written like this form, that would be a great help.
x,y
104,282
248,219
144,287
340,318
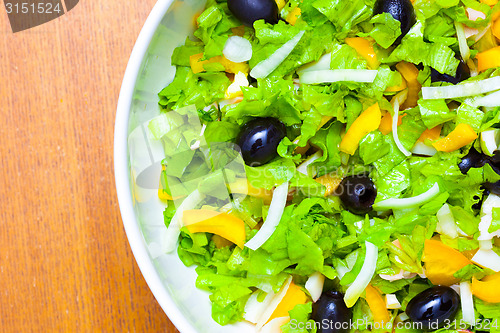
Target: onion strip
x,y
462,41
267,66
323,63
274,304
488,259
364,277
462,90
467,302
276,208
303,168
396,102
491,100
314,285
255,309
402,203
174,229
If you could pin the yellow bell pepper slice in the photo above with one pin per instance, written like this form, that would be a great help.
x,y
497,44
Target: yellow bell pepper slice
x,y
461,136
365,49
410,73
220,242
222,224
488,59
386,123
495,28
441,262
377,305
229,66
488,288
281,4
367,122
490,2
400,87
294,296
330,181
293,16
430,134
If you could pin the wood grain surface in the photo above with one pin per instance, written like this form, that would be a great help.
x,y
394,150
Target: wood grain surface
x,y
65,263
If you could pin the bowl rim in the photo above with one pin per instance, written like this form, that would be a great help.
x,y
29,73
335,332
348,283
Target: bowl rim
x,y
122,173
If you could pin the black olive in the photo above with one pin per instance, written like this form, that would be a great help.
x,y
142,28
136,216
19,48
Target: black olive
x,y
401,10
463,73
357,193
259,140
473,159
331,314
433,307
493,187
249,11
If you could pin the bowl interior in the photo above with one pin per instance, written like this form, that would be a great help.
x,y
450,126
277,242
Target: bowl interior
x,y
137,168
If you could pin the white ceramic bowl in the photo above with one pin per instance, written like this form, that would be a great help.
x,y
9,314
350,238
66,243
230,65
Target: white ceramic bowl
x,y
136,157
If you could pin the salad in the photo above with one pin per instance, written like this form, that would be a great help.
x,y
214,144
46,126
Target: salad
x,y
333,165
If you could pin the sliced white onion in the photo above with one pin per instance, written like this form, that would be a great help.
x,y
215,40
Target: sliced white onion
x,y
364,277
314,285
391,302
276,208
487,259
473,68
446,222
254,309
491,100
481,33
403,316
402,203
469,32
274,326
268,312
303,167
322,64
267,66
462,41
399,276
338,75
171,237
396,102
341,270
486,244
467,302
394,277
489,141
421,148
237,49
474,15
462,90
493,201
456,287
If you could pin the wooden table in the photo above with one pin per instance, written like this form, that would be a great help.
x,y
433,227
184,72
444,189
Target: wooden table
x,y
65,263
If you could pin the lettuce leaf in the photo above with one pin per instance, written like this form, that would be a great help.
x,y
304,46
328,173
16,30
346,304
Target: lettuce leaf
x,y
345,14
435,112
188,88
385,30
